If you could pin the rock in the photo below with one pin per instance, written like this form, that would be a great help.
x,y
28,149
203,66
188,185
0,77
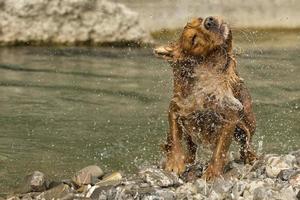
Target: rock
x,y
202,186
297,156
86,175
249,189
13,198
186,191
159,177
286,174
286,193
68,22
274,164
238,188
222,186
59,192
214,196
295,179
166,194
34,182
261,193
193,172
96,191
112,179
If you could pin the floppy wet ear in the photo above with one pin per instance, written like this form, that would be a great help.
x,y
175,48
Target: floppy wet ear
x,y
228,39
167,52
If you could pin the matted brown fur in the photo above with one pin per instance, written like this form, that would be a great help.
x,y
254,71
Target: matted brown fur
x,y
211,104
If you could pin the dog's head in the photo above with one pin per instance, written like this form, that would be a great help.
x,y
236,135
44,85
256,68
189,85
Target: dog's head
x,y
198,39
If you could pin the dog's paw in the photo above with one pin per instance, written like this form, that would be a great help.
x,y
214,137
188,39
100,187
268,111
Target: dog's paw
x,y
211,173
175,163
250,157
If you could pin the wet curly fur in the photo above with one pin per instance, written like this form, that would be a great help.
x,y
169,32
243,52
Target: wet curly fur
x,y
211,104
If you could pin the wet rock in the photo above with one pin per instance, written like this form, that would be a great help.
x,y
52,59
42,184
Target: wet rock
x,y
235,169
286,174
295,179
59,192
274,164
261,193
214,196
87,175
202,186
13,198
286,193
159,177
248,191
95,192
34,182
166,194
238,189
108,181
222,186
297,157
112,179
186,191
68,22
193,172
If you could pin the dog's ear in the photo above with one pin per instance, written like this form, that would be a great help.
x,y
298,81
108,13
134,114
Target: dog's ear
x,y
167,52
228,40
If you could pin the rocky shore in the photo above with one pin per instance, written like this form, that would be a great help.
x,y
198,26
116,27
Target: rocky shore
x,y
271,177
68,22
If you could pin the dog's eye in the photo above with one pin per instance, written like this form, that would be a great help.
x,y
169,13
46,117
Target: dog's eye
x,y
194,39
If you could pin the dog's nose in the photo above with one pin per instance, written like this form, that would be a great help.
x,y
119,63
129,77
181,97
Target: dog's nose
x,y
210,22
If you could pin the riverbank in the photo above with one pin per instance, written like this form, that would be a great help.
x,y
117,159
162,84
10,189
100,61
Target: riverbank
x,y
271,177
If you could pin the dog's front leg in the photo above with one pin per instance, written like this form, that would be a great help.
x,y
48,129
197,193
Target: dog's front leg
x,y
216,165
175,161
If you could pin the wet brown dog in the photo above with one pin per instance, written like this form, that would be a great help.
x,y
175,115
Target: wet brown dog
x,y
210,103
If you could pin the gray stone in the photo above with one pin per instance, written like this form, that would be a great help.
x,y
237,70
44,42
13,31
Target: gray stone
x,y
68,22
59,192
214,196
286,174
86,175
222,186
261,193
159,177
34,182
202,186
295,179
166,194
112,179
186,191
238,188
286,193
275,163
249,189
13,198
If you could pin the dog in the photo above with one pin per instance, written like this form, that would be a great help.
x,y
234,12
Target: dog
x,y
211,104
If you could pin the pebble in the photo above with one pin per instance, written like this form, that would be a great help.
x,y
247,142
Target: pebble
x,y
87,175
58,192
275,164
274,177
34,182
158,177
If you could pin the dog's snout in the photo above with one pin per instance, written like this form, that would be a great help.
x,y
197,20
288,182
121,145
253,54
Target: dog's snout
x,y
210,22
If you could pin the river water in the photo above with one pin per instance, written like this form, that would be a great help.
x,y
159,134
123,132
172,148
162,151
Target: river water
x,y
65,108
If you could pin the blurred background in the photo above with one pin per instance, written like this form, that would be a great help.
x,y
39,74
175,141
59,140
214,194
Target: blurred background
x,y
157,14
79,83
